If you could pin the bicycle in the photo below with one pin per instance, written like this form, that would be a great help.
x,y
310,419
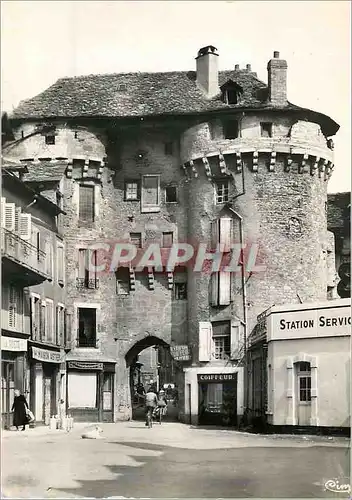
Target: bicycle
x,y
158,413
150,417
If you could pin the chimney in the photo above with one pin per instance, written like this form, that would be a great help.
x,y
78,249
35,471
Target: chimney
x,y
248,67
277,80
207,70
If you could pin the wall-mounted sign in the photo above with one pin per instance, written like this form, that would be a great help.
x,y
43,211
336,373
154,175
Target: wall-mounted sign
x,y
180,352
12,344
216,378
47,356
86,365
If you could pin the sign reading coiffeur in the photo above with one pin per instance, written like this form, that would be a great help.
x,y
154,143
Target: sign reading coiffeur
x,y
216,377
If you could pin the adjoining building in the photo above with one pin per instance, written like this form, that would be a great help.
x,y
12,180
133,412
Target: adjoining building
x,y
204,157
300,366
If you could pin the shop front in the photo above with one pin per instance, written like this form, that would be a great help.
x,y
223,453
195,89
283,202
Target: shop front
x,y
213,395
13,374
45,376
90,391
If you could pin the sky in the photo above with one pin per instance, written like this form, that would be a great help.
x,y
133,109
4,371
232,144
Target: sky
x,y
42,41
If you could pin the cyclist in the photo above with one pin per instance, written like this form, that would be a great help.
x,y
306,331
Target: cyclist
x,y
151,402
162,403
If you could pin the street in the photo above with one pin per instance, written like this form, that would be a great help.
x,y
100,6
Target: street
x,y
170,460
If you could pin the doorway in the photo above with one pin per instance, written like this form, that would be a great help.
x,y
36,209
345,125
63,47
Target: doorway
x,y
218,402
7,391
303,392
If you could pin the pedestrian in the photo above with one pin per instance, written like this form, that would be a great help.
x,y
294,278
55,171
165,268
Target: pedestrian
x,y
20,409
162,401
151,402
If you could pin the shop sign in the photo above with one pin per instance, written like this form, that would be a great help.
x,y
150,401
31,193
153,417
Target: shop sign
x,y
85,365
12,344
47,356
216,377
180,352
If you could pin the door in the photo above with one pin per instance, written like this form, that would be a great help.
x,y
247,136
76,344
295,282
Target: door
x,y
7,391
303,391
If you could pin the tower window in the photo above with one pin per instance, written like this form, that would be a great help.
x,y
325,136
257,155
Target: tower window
x,y
136,239
86,203
171,194
266,129
231,129
222,191
132,190
50,139
167,240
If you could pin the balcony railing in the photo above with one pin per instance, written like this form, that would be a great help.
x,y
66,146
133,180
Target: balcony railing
x,y
23,253
91,283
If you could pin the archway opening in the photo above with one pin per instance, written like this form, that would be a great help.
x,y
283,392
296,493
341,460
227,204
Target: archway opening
x,y
151,365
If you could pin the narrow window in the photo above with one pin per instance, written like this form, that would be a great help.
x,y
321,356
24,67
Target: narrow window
x,y
43,320
167,240
171,194
60,325
49,322
168,148
87,328
231,129
136,239
86,203
36,318
231,96
222,191
304,382
266,129
221,339
132,191
87,263
107,391
49,258
60,264
50,139
180,291
12,310
150,193
122,281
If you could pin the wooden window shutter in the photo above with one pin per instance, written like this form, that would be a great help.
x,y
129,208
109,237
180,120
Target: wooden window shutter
x,y
91,262
214,289
10,209
3,203
60,263
12,307
215,234
17,220
226,233
224,288
82,262
235,339
205,338
25,226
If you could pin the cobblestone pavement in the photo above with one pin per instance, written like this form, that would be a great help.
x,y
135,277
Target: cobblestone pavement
x,y
170,460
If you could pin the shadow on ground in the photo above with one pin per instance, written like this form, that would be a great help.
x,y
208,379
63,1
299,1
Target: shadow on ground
x,y
236,472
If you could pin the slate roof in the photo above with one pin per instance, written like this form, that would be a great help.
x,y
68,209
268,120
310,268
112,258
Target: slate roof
x,y
123,95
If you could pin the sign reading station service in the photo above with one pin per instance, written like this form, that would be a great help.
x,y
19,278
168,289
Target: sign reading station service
x,y
319,322
216,378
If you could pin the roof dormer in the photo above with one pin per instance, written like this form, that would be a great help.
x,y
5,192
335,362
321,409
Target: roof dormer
x,y
231,92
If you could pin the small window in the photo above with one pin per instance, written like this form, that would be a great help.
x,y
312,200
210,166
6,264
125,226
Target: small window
x,y
221,339
122,281
86,203
87,328
180,291
266,129
222,191
231,96
150,193
171,194
167,240
231,129
168,148
50,139
136,239
132,191
305,393
304,366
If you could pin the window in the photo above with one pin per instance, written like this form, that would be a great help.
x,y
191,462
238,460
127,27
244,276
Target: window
x,y
87,328
86,203
122,281
171,194
168,148
82,390
222,191
60,325
60,264
49,258
50,139
87,261
167,240
15,308
221,289
49,322
221,339
231,96
304,381
180,291
222,233
150,193
136,239
231,129
36,310
266,129
42,320
107,391
132,192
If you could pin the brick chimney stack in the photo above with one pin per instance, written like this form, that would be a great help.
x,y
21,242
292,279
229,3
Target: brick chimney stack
x,y
207,70
277,80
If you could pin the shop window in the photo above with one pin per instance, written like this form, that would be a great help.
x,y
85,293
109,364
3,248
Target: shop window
x,y
231,129
87,327
266,129
221,339
180,291
122,281
150,193
136,239
132,191
82,390
222,191
167,240
86,203
87,263
171,194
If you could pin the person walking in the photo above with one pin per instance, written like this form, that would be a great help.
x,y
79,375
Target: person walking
x,y
151,401
20,408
